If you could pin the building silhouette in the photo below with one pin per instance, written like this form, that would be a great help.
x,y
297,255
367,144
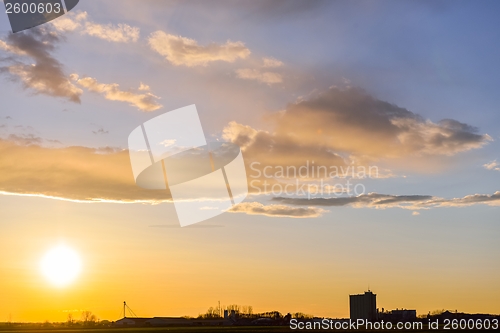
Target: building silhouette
x,y
363,306
403,315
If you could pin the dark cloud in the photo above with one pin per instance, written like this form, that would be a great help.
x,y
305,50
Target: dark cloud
x,y
256,208
350,126
100,131
54,141
412,202
469,200
25,139
32,63
355,122
371,199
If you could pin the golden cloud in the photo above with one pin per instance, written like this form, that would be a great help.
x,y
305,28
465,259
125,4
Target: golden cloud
x,y
141,99
345,127
79,21
492,166
184,51
70,173
256,208
258,75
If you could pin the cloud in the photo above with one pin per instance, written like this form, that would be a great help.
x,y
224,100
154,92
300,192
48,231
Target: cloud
x,y
256,208
271,149
144,87
469,200
271,62
262,74
382,201
93,175
70,173
259,75
350,127
79,21
184,51
144,100
11,48
104,174
25,139
492,166
122,33
32,64
100,131
415,213
373,200
70,22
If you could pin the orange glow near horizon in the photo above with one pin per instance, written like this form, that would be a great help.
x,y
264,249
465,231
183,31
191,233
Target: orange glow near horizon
x,y
177,272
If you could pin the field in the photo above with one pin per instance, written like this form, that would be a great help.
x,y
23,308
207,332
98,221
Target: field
x,y
227,329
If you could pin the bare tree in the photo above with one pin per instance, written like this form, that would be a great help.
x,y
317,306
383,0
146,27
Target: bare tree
x,y
212,313
71,319
89,318
233,307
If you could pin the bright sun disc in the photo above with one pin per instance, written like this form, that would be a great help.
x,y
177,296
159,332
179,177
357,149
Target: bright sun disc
x,y
61,265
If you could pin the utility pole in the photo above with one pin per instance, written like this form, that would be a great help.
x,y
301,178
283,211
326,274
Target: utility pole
x,y
124,309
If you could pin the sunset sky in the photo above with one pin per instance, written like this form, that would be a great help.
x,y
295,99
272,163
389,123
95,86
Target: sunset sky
x,y
409,88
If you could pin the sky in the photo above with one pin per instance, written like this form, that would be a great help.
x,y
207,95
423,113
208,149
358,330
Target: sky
x,y
403,89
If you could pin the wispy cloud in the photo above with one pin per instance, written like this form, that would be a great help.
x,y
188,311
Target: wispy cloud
x,y
31,62
70,22
256,208
122,33
100,131
259,75
79,21
382,201
187,52
140,98
11,48
492,166
144,87
271,62
25,139
262,72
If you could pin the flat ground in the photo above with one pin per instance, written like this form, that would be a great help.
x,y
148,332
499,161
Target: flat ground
x,y
228,329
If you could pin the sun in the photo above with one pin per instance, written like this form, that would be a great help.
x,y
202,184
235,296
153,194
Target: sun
x,y
61,265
